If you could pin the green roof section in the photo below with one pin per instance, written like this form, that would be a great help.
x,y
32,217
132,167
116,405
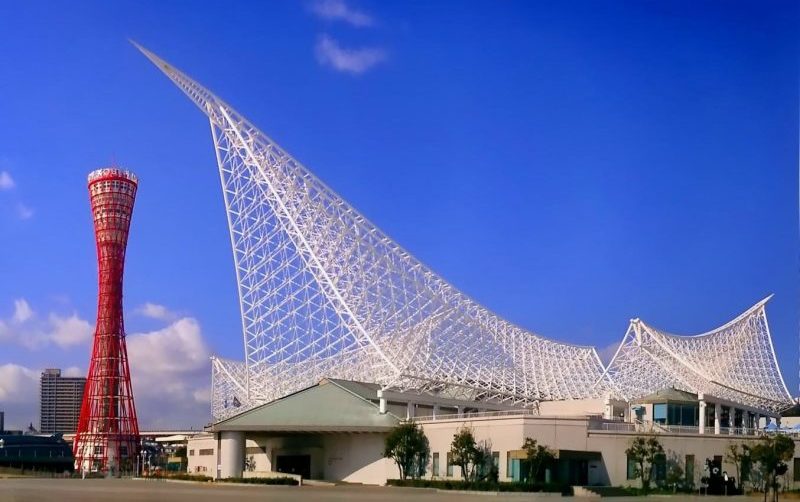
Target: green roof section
x,y
330,406
669,395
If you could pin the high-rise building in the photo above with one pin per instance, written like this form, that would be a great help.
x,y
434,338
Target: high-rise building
x,y
108,433
60,402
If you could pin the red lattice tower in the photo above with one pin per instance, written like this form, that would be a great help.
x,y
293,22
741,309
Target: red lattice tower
x,y
108,434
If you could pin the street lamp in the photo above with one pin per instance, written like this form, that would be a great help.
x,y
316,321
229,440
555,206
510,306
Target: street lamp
x,y
142,454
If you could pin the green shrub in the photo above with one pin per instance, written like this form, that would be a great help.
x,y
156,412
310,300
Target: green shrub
x,y
486,486
182,476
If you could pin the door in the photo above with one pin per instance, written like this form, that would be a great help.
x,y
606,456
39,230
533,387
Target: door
x,y
294,464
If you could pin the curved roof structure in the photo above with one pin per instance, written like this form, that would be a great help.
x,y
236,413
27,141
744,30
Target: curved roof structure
x,y
325,293
735,361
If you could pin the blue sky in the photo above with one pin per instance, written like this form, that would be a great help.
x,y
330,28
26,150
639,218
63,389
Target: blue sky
x,y
569,164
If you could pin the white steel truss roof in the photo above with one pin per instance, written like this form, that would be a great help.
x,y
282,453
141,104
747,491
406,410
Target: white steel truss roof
x,y
325,294
735,362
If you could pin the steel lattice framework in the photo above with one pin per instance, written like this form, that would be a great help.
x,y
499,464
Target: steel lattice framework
x,y
324,293
108,432
735,361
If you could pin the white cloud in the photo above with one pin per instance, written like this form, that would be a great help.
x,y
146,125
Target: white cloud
x,y
68,331
24,212
6,181
338,10
73,371
170,370
22,311
28,330
356,61
19,394
607,353
156,311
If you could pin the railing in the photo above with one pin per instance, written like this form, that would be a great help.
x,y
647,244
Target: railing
x,y
503,413
477,414
656,428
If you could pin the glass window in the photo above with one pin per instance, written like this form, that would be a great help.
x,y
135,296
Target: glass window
x,y
689,469
797,469
509,469
631,473
496,459
449,466
660,413
660,468
435,466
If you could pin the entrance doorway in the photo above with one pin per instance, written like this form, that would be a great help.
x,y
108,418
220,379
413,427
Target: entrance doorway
x,y
294,464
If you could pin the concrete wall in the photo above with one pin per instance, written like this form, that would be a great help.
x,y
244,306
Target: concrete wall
x,y
574,407
507,434
202,464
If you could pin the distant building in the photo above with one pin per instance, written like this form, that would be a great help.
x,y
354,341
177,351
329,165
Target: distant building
x,y
60,402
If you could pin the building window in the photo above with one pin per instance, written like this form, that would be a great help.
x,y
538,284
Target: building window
x,y
123,450
496,460
631,471
191,453
449,465
206,451
660,413
660,468
509,472
797,469
689,470
435,466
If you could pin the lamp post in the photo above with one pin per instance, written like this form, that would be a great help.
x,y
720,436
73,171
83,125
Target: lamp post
x,y
142,454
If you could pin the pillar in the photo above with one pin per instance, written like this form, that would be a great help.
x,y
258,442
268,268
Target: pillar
x,y
717,418
435,411
231,454
460,411
381,402
757,424
702,417
778,422
409,410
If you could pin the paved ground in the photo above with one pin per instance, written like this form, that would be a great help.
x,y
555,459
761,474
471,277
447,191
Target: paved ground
x,y
90,490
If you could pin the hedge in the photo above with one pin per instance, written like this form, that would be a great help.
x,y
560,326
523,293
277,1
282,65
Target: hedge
x,y
484,486
262,481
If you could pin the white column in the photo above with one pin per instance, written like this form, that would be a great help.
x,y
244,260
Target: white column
x,y
778,422
381,402
409,410
717,417
435,411
702,417
231,454
460,411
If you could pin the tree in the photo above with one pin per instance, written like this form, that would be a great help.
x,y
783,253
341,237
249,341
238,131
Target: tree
x,y
467,455
771,455
408,446
739,456
644,452
537,456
